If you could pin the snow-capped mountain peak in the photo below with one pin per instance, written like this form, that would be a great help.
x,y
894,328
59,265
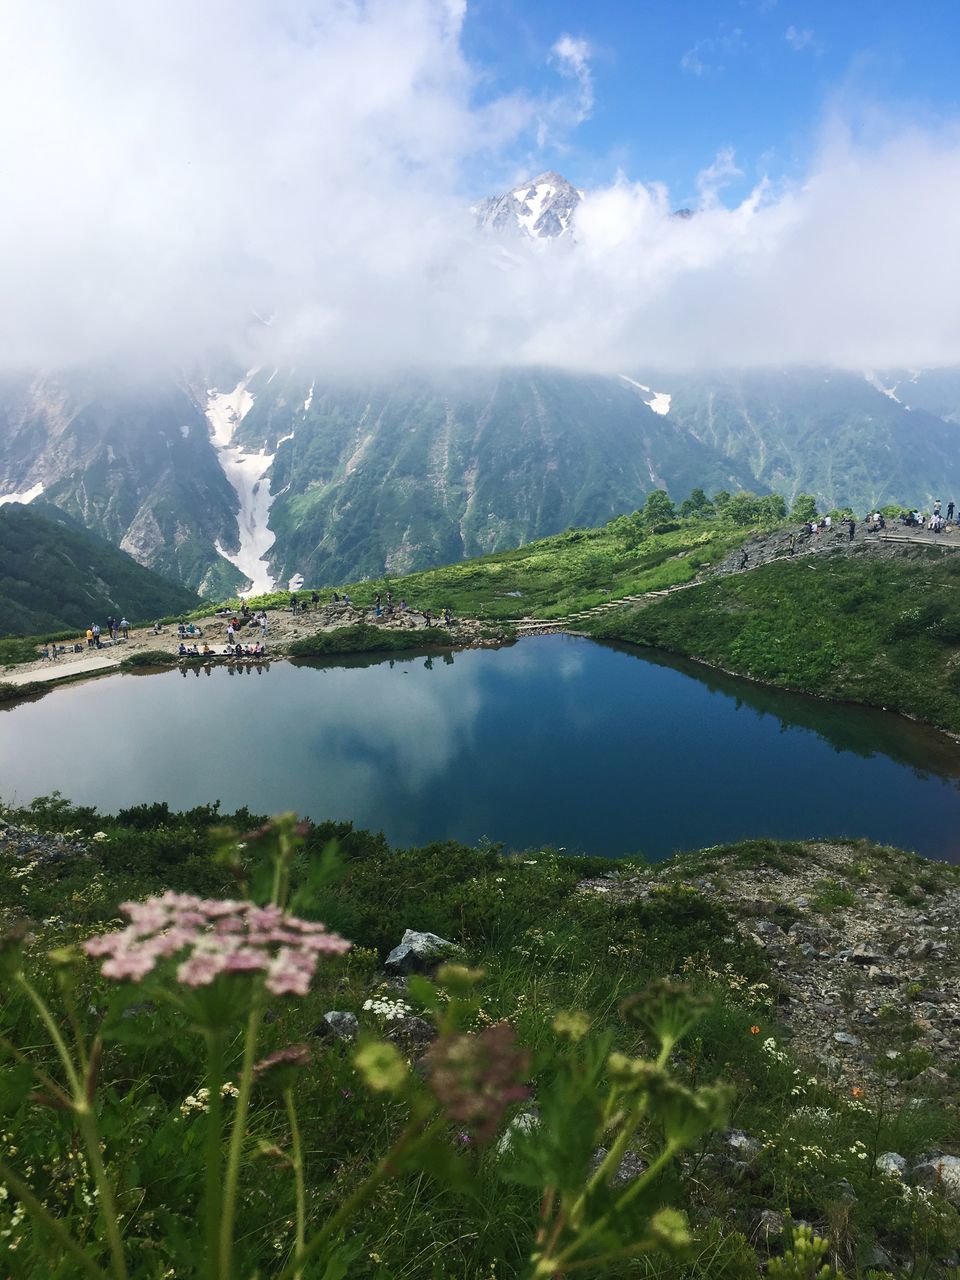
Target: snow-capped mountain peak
x,y
542,208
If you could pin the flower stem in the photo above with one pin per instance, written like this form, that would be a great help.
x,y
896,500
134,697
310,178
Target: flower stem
x,y
360,1197
237,1134
50,1224
297,1148
212,1153
47,1019
108,1207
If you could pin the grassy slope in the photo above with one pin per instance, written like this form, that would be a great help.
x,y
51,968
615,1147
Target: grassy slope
x,y
555,576
883,632
543,948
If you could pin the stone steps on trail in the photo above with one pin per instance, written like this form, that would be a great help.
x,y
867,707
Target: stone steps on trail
x,y
530,624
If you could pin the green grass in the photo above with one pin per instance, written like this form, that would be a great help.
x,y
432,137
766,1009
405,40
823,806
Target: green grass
x,y
553,577
367,639
543,948
882,632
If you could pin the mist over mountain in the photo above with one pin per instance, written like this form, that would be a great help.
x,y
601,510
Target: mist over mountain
x,y
269,323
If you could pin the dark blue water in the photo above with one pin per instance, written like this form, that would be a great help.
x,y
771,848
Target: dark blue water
x,y
556,740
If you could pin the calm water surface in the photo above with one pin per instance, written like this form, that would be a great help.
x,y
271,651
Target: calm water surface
x,y
556,740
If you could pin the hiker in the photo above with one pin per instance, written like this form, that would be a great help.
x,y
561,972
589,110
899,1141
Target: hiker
x,y
89,637
125,628
950,510
793,544
744,557
336,598
230,633
447,616
293,602
96,635
315,600
346,599
936,507
851,527
263,624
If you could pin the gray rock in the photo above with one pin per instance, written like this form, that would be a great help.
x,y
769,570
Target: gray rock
x,y
523,1123
770,1224
892,1164
876,1257
340,1025
866,953
932,1079
419,952
413,1036
845,1038
941,1174
747,1148
631,1166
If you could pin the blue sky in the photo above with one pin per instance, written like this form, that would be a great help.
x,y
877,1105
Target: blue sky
x,y
676,81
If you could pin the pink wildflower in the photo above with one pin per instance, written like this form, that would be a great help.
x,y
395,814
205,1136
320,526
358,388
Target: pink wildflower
x,y
211,937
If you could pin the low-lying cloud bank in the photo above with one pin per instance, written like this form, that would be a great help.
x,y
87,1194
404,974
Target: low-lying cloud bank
x,y
176,175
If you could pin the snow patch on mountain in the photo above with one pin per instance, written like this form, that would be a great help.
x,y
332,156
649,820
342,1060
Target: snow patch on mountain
x,y
543,209
659,401
25,496
309,400
247,473
875,382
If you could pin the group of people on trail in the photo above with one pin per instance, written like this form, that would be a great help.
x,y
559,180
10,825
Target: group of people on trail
x,y
381,607
115,627
255,651
936,521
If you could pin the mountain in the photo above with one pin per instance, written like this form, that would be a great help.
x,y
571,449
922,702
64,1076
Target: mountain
x,y
131,460
543,209
223,477
57,576
227,478
844,437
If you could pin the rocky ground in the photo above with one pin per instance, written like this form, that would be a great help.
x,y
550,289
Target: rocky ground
x,y
863,943
894,541
284,627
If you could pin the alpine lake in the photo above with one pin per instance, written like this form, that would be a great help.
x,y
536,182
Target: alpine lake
x,y
553,741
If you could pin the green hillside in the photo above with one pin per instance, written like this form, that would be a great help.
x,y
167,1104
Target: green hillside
x,y
556,576
884,632
56,576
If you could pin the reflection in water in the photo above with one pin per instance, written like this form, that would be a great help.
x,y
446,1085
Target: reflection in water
x,y
555,740
865,731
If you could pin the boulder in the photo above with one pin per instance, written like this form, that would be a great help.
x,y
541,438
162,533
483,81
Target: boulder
x,y
631,1166
845,1038
419,952
413,1036
745,1147
339,1025
867,953
892,1164
940,1174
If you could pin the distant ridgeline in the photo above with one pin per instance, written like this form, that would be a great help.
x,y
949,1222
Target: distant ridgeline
x,y
339,479
57,576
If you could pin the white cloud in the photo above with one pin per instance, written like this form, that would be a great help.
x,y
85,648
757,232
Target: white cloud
x,y
798,39
573,56
172,169
707,55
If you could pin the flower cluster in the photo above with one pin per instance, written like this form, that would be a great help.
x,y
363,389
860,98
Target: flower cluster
x,y
769,1047
386,1009
200,1101
476,1078
215,937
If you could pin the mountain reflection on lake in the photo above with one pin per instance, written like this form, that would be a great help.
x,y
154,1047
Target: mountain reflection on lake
x,y
553,741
